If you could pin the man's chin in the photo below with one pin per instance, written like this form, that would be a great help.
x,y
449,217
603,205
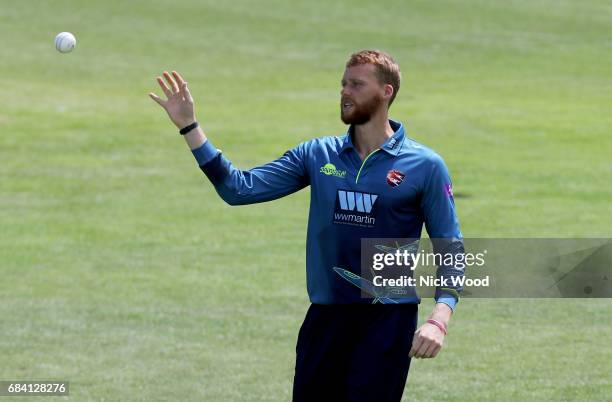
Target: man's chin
x,y
353,118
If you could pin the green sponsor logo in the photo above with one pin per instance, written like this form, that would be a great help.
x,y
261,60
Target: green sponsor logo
x,y
330,170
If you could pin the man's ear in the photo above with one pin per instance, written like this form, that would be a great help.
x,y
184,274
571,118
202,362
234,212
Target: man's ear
x,y
388,91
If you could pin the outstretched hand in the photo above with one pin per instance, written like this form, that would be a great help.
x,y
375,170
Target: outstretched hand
x,y
179,103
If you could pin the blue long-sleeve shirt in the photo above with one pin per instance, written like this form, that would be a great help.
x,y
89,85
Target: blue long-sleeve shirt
x,y
390,194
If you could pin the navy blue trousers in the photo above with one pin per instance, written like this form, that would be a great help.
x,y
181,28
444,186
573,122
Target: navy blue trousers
x,y
354,352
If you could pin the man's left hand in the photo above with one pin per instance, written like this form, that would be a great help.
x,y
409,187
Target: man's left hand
x,y
427,341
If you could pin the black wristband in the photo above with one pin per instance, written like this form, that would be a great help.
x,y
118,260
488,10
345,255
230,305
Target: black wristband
x,y
190,127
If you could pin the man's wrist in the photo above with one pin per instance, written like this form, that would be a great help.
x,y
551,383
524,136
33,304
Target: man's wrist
x,y
186,129
442,312
441,325
195,138
184,123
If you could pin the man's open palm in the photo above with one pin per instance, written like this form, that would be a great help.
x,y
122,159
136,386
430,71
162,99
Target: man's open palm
x,y
179,103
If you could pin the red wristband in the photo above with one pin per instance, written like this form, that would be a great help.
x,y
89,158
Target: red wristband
x,y
438,324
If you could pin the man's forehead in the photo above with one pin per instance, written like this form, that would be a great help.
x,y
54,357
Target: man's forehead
x,y
362,71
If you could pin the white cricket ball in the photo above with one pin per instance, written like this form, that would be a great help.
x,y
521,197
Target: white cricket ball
x,y
65,42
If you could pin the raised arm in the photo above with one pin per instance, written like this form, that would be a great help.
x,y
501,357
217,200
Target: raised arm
x,y
276,179
180,107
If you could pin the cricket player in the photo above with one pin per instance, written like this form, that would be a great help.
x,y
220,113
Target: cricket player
x,y
371,182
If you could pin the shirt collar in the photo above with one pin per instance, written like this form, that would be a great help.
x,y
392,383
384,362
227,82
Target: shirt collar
x,y
391,146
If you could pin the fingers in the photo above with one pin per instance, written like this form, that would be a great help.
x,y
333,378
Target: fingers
x,y
426,343
179,80
164,87
183,89
177,91
429,352
171,81
186,93
421,351
416,344
435,351
157,99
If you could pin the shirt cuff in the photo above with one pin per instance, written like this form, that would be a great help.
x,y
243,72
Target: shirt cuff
x,y
450,301
205,153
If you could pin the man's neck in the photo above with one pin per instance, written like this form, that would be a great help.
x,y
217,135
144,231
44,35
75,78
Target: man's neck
x,y
370,136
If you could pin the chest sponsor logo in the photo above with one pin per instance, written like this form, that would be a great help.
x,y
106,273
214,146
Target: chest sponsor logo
x,y
395,178
354,208
330,170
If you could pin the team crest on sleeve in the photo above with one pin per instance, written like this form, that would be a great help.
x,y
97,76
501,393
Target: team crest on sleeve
x,y
395,177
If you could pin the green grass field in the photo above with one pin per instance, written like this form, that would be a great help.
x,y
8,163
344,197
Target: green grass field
x,y
124,273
